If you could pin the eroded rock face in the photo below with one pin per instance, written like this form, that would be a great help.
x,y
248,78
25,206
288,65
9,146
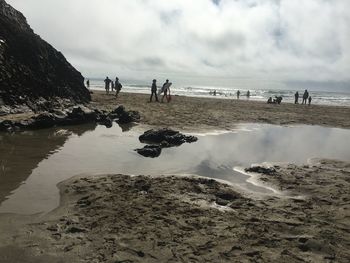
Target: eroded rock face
x,y
31,70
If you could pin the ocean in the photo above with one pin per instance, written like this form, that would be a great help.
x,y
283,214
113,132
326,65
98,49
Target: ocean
x,y
318,97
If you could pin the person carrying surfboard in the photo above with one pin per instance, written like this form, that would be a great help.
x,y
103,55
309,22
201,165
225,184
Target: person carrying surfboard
x,y
166,89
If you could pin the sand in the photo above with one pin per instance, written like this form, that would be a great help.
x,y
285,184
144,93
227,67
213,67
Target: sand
x,y
195,113
188,113
122,218
118,218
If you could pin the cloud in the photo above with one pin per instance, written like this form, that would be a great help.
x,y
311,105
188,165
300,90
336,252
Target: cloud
x,y
276,40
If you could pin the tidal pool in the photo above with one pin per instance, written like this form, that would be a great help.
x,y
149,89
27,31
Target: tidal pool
x,y
33,162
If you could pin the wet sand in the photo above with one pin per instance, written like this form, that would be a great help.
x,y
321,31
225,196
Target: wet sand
x,y
194,113
118,218
189,113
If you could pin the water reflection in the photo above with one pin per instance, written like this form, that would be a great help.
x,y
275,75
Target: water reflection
x,y
20,153
111,151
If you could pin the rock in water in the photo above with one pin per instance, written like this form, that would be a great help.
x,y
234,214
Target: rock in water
x,y
261,170
163,138
31,70
150,151
171,137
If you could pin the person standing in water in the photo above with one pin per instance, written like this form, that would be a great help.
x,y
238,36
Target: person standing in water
x,y
154,90
88,83
238,93
296,97
107,83
248,94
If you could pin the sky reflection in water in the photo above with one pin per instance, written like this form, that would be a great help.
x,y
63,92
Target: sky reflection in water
x,y
103,151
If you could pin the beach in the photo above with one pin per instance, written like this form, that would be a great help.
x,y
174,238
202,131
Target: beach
x,y
194,113
172,218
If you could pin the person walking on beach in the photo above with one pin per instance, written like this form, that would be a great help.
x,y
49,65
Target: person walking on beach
x,y
238,93
310,99
112,85
118,86
88,84
248,94
154,90
165,90
107,83
305,96
296,96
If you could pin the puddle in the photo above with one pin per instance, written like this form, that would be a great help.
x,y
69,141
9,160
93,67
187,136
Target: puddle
x,y
32,163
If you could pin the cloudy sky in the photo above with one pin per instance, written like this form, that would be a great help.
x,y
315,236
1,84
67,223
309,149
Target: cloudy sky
x,y
200,41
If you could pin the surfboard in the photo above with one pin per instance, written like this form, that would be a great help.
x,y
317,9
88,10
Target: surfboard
x,y
166,86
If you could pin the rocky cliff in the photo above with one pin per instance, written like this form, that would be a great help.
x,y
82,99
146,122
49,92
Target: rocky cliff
x,y
32,70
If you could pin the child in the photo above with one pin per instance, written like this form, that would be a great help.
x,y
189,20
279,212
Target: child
x,y
310,100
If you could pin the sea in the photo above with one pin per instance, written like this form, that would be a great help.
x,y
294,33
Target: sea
x,y
336,98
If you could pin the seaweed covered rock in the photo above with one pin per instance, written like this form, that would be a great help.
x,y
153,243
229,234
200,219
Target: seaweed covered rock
x,y
32,72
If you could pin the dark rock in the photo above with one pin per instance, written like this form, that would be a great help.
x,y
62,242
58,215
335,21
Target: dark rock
x,y
156,136
222,202
164,138
25,124
150,151
32,72
142,185
165,144
44,120
81,114
128,117
106,122
120,110
226,196
7,126
124,117
261,170
74,230
76,115
171,137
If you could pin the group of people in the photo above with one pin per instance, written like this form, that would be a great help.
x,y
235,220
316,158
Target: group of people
x,y
276,100
114,85
238,93
306,98
165,90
